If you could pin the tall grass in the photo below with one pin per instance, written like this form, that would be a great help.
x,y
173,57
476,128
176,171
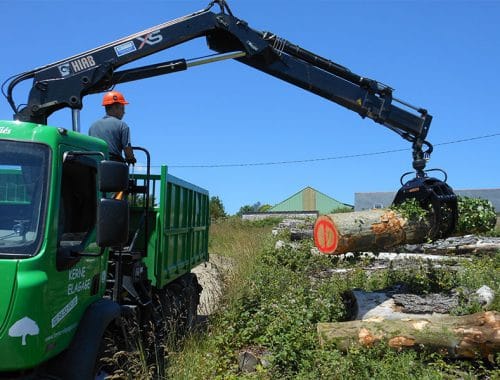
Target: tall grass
x,y
241,244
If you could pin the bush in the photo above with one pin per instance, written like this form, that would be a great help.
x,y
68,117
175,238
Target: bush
x,y
475,215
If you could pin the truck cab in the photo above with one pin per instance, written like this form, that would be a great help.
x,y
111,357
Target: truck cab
x,y
76,255
48,209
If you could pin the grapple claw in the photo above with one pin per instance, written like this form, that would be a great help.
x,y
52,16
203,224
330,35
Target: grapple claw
x,y
435,196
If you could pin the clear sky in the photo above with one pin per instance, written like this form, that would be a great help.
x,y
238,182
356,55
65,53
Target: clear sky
x,y
440,55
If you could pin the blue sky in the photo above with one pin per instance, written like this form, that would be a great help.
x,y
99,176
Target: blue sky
x,y
440,55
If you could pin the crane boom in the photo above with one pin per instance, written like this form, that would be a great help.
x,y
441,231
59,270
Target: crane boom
x,y
63,84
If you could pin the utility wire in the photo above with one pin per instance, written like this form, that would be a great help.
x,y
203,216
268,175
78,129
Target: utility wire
x,y
321,158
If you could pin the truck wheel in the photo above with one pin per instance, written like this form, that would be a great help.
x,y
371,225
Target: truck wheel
x,y
102,374
78,361
103,367
191,299
179,303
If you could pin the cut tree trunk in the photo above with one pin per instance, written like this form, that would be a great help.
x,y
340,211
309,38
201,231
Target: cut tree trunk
x,y
372,230
470,336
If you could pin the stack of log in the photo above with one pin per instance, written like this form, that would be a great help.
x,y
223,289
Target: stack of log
x,y
403,320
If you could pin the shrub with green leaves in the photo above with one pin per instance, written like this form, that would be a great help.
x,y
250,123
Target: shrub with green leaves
x,y
411,210
475,215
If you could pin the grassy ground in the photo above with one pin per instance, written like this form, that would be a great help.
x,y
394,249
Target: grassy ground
x,y
274,298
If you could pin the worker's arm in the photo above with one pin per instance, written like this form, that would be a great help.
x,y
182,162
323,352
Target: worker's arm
x,y
129,155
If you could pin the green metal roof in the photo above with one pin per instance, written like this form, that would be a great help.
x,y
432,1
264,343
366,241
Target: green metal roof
x,y
309,199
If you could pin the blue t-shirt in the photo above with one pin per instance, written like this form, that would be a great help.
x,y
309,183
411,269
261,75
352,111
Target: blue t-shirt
x,y
114,131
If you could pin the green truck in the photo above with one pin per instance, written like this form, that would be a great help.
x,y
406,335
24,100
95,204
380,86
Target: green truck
x,y
76,257
62,286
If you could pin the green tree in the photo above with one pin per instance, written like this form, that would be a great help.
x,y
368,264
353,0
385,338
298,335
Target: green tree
x,y
256,207
139,200
216,208
265,208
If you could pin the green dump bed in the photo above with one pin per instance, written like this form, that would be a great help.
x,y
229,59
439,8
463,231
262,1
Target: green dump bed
x,y
178,226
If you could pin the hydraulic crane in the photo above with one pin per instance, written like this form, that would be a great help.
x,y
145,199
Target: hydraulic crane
x,y
100,260
63,84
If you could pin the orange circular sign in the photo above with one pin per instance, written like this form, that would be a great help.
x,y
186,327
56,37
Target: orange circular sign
x,y
326,237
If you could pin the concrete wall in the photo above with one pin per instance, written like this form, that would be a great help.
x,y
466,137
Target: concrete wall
x,y
280,214
366,201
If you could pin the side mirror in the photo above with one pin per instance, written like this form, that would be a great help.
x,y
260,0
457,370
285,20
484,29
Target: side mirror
x,y
113,176
112,223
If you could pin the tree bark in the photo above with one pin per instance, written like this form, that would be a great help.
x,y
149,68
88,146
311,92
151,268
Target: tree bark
x,y
469,336
466,248
372,230
394,304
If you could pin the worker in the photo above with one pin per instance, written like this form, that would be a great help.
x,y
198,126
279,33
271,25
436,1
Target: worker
x,y
113,130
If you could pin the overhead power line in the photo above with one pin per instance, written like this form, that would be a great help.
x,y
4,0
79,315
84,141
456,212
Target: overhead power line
x,y
342,157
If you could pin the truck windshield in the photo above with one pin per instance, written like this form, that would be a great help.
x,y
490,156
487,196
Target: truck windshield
x,y
23,193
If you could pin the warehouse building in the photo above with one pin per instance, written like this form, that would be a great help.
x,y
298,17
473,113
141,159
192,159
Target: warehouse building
x,y
309,199
367,201
308,202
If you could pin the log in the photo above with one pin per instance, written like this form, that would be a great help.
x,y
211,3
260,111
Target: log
x,y
371,230
396,304
470,336
466,249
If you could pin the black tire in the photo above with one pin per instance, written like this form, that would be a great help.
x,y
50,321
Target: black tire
x,y
78,361
191,293
179,302
103,364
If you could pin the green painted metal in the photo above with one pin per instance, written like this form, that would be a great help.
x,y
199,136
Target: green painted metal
x,y
179,230
293,203
327,205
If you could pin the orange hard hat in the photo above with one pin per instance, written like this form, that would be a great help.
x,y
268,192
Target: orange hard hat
x,y
113,97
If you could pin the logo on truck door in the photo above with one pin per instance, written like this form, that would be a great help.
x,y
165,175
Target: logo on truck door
x,y
64,311
22,328
78,280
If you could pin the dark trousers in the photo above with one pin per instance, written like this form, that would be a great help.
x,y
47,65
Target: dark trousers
x,y
116,157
